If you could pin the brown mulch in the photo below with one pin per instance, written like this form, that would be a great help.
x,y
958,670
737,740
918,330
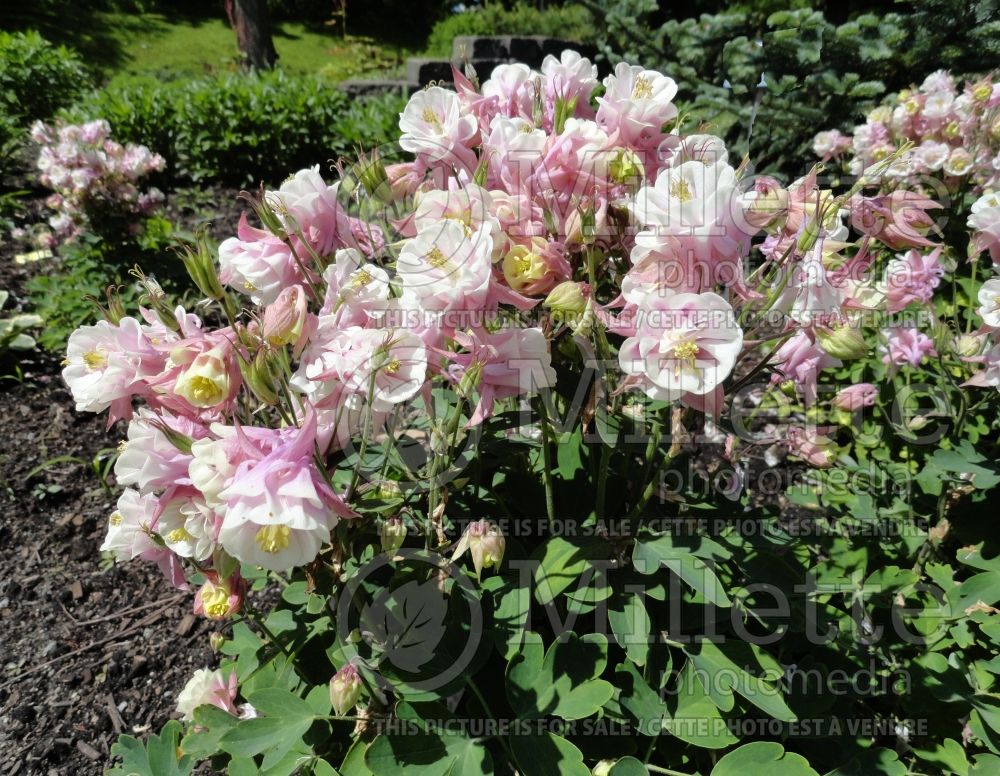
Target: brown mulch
x,y
88,650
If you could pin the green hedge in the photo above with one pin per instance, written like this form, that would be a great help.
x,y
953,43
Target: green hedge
x,y
241,129
36,79
572,22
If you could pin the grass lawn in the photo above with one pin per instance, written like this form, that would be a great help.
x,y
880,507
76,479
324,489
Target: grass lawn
x,y
123,45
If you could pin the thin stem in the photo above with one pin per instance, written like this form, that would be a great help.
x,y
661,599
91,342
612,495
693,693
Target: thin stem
x,y
667,771
550,502
489,714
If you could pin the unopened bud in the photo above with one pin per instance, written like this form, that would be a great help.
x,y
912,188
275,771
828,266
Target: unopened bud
x,y
768,205
625,166
843,342
345,689
392,534
856,397
216,640
568,298
284,319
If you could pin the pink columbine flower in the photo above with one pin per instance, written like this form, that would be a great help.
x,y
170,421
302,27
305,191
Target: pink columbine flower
x,y
433,126
801,359
207,688
989,303
636,104
984,221
683,344
510,362
279,508
105,366
905,345
912,278
148,459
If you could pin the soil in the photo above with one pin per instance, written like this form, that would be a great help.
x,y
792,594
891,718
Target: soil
x,y
88,649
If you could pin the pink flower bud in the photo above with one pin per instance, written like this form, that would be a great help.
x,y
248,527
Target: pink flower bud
x,y
345,689
284,319
856,397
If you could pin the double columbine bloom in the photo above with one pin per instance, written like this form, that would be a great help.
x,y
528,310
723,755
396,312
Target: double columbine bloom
x,y
355,303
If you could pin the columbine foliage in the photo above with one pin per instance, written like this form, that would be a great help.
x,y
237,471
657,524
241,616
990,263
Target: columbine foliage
x,y
484,414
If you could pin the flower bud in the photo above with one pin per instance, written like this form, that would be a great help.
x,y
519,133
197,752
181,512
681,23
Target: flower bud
x,y
768,205
284,319
603,768
201,268
375,179
625,166
568,298
392,534
789,388
485,544
815,449
218,599
843,342
258,375
856,397
472,376
216,640
206,382
345,689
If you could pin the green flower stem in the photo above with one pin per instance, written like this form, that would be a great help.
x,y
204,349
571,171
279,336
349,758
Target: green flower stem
x,y
486,709
550,503
667,771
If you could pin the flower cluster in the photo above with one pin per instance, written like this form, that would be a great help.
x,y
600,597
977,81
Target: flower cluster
x,y
952,134
91,174
353,307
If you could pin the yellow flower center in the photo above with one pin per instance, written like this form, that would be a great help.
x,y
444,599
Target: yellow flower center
x,y
362,278
643,89
179,535
272,538
685,354
430,117
436,258
205,391
95,359
216,603
393,366
686,351
116,518
682,190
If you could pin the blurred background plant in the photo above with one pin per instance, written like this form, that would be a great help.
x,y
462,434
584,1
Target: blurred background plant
x,y
765,81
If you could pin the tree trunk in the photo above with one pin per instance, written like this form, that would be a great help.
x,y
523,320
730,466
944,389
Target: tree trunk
x,y
252,25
